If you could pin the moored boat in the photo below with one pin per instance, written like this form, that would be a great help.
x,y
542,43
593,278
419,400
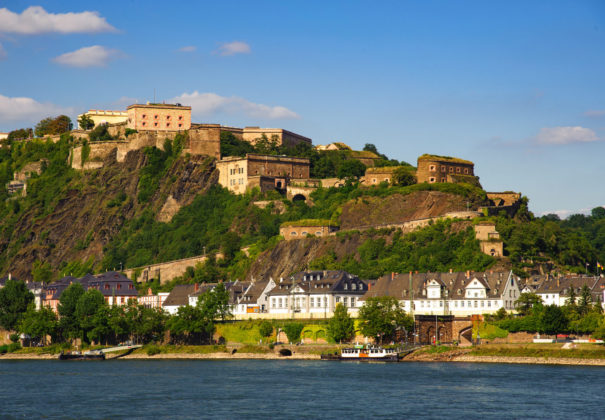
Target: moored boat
x,y
365,354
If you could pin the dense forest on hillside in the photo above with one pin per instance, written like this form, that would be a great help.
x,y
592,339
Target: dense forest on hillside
x,y
217,220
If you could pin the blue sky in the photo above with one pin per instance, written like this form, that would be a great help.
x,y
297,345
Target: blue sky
x,y
516,87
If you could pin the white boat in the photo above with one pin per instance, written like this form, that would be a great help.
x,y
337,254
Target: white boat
x,y
367,354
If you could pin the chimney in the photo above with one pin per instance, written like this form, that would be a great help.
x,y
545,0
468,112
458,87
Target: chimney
x,y
558,282
392,275
451,270
369,286
9,276
416,271
196,287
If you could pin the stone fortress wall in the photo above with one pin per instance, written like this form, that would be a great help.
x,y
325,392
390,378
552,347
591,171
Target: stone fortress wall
x,y
433,169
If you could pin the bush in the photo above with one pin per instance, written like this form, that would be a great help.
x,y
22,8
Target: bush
x,y
3,349
265,329
153,350
13,347
14,337
293,331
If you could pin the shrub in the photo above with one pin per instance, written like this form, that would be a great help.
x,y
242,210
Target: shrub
x,y
14,337
265,329
293,331
153,350
13,347
3,349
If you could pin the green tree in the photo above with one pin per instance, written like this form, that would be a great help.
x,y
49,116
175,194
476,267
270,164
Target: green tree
x,y
43,127
571,300
403,177
585,301
69,324
598,212
351,169
553,320
42,271
265,329
22,133
100,133
85,122
214,303
341,327
380,317
14,301
526,302
86,308
293,330
39,324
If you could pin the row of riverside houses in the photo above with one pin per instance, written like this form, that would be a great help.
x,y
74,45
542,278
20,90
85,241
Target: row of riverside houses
x,y
556,290
115,287
315,294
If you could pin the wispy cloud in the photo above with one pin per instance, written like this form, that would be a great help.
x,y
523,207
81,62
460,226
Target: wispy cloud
x,y
232,48
189,48
595,113
21,109
210,103
565,135
2,53
35,20
95,56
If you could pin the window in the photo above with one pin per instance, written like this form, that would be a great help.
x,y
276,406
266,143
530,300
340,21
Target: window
x,y
432,168
312,302
489,303
155,124
155,117
475,304
144,116
280,302
466,170
352,302
462,304
443,169
431,179
273,302
180,125
442,179
167,124
337,299
482,304
180,118
293,233
106,286
457,170
344,301
318,233
130,286
144,124
168,117
353,286
451,169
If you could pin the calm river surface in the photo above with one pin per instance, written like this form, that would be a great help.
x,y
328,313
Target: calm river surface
x,y
296,389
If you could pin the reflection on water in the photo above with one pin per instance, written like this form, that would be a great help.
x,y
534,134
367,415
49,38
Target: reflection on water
x,y
296,389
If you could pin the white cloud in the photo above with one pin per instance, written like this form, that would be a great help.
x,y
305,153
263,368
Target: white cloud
x,y
565,135
35,20
21,109
232,48
211,103
189,48
95,56
595,113
2,52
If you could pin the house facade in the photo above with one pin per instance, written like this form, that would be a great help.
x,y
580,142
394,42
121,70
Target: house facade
x,y
159,117
315,294
455,293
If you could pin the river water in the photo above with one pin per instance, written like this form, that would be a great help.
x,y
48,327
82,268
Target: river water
x,y
267,389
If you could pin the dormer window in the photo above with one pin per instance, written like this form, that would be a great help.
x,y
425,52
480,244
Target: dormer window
x,y
346,286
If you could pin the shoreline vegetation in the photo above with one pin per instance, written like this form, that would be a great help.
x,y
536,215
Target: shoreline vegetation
x,y
526,353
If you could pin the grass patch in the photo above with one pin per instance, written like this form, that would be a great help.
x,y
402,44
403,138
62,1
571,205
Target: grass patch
x,y
582,351
489,331
173,349
434,350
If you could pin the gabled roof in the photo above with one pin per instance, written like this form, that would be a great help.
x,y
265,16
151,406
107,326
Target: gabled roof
x,y
321,282
179,296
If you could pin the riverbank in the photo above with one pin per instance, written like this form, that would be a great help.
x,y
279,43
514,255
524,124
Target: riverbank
x,y
536,354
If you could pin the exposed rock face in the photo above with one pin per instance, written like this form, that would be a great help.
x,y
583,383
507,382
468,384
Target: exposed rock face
x,y
397,208
91,211
195,176
291,256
